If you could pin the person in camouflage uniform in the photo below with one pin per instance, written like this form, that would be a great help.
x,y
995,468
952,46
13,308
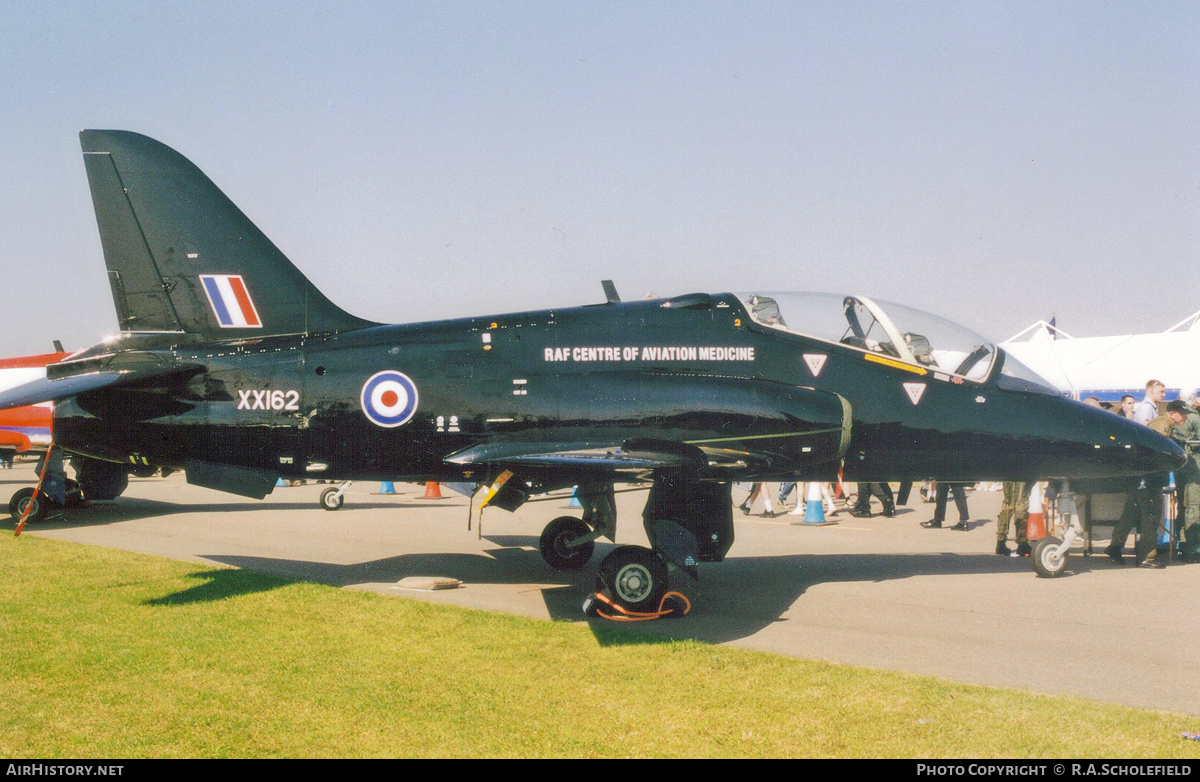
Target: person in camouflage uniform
x,y
1185,430
1015,505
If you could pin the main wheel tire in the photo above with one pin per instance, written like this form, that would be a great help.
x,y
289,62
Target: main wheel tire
x,y
1046,560
331,499
635,578
22,499
555,538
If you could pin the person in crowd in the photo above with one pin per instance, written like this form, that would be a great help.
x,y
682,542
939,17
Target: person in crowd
x,y
862,506
944,489
760,489
1147,409
827,498
1185,430
1143,507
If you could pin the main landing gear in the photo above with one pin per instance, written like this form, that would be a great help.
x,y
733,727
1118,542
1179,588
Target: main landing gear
x,y
687,522
40,503
567,543
53,492
635,577
29,501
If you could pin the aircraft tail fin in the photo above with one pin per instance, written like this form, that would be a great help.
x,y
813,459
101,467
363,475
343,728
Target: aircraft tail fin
x,y
182,257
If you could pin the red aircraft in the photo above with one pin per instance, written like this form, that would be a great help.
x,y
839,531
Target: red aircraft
x,y
25,428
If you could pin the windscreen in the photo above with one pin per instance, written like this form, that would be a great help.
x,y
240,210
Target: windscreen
x,y
876,326
1015,376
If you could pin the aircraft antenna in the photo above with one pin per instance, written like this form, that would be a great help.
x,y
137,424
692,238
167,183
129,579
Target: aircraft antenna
x,y
610,291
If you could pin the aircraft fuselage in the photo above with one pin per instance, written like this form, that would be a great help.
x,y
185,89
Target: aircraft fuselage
x,y
694,369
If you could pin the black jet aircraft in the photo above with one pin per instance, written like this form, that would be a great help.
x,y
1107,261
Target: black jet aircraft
x,y
231,366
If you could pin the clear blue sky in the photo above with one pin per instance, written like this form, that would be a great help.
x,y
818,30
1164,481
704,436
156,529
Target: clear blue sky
x,y
992,162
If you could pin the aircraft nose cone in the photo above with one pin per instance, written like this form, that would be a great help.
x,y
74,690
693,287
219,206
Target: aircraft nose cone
x,y
1142,449
1118,447
1158,453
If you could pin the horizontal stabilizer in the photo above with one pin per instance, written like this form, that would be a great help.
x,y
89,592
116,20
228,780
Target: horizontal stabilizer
x,y
46,390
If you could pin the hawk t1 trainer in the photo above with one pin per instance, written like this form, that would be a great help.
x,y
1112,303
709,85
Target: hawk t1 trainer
x,y
231,366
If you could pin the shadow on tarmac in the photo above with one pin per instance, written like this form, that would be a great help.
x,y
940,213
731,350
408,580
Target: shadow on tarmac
x,y
731,600
132,509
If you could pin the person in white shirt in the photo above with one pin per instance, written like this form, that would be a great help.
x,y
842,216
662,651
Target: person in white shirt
x,y
1147,409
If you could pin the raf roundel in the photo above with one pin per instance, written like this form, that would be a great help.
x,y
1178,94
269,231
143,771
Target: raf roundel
x,y
389,398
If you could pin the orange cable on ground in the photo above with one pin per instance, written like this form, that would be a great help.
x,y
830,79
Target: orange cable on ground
x,y
636,616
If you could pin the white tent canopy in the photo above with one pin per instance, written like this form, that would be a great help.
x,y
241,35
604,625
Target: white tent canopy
x,y
1107,367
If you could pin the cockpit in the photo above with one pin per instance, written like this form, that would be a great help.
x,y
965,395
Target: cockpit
x,y
892,330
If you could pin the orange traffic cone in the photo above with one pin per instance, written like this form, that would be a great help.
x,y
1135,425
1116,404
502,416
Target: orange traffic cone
x,y
1037,514
432,491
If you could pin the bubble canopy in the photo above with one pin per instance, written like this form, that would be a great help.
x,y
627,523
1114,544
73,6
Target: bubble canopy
x,y
892,330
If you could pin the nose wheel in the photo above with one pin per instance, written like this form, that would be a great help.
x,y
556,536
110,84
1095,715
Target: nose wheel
x,y
1049,557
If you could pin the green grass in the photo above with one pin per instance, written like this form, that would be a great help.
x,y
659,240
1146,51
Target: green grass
x,y
111,654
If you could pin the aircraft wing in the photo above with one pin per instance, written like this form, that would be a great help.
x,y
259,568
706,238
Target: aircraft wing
x,y
633,455
551,455
564,455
